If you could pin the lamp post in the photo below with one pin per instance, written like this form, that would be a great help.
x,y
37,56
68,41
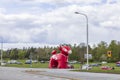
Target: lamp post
x,y
86,33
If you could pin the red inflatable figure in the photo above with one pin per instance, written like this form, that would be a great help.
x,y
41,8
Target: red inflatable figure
x,y
54,52
60,60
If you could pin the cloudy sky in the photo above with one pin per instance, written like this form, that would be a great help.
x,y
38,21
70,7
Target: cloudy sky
x,y
53,22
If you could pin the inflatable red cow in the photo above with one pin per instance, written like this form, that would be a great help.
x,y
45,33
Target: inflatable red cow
x,y
60,60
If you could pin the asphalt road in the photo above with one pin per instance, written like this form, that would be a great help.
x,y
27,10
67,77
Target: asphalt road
x,y
9,73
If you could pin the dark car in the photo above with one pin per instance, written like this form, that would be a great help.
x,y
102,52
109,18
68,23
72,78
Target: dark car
x,y
18,62
118,64
96,64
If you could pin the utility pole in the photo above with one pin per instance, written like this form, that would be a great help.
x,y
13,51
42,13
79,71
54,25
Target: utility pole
x,y
87,50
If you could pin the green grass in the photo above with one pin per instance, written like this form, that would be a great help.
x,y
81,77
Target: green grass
x,y
98,69
33,65
76,67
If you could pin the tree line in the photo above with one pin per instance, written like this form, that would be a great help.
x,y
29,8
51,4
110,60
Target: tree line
x,y
98,52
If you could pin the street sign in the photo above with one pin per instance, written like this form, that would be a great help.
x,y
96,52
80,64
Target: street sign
x,y
89,56
109,53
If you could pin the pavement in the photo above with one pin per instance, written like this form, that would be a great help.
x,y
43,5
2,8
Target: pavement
x,y
11,73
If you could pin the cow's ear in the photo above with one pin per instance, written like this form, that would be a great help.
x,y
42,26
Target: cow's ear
x,y
60,48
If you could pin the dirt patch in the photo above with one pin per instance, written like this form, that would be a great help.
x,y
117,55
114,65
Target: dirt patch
x,y
41,72
34,71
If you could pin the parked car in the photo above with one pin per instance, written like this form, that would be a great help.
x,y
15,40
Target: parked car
x,y
70,66
35,61
118,64
28,61
96,64
104,62
86,67
42,61
12,61
3,63
107,68
18,62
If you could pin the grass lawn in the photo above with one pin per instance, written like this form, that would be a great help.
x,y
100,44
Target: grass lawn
x,y
98,69
33,65
76,67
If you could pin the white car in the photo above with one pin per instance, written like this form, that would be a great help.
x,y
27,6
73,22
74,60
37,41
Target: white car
x,y
12,62
3,63
104,62
86,67
35,61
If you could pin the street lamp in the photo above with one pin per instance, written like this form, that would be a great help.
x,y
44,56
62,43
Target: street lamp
x,y
86,32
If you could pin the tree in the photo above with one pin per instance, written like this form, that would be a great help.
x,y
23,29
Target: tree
x,y
113,47
100,50
21,54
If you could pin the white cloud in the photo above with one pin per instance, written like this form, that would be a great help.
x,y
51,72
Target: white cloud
x,y
2,10
59,1
60,24
25,45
